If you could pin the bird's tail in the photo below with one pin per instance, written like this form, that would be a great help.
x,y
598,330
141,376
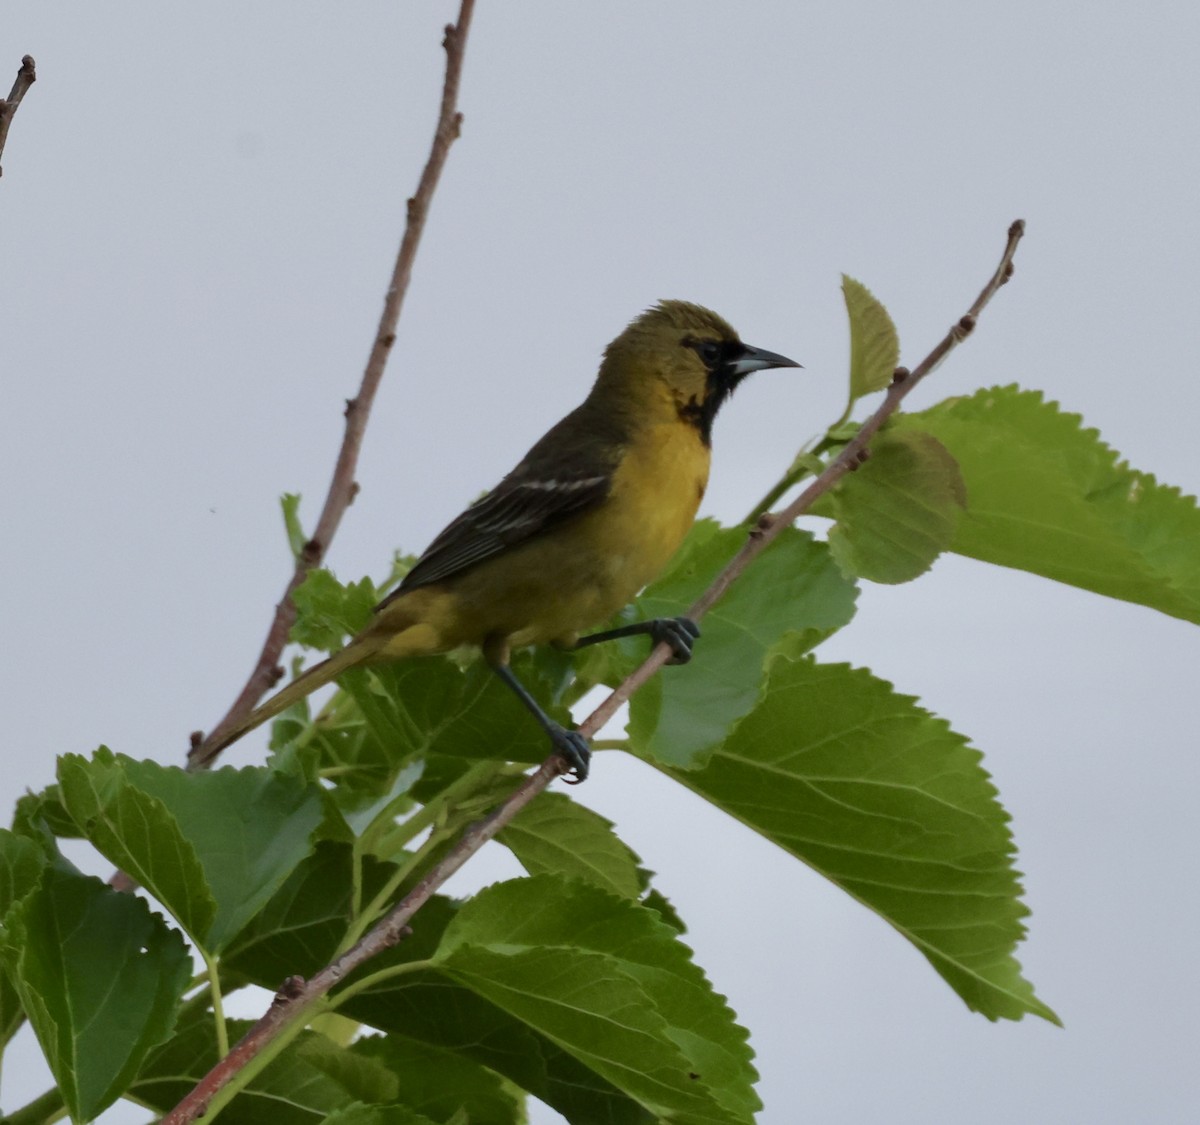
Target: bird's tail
x,y
308,681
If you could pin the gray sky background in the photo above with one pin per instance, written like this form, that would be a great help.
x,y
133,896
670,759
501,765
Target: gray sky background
x,y
198,213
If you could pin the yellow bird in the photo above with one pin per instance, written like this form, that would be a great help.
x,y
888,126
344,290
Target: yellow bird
x,y
593,513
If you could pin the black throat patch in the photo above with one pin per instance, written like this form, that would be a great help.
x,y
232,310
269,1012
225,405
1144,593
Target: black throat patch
x,y
722,380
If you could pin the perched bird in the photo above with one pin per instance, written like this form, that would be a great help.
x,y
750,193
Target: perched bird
x,y
592,513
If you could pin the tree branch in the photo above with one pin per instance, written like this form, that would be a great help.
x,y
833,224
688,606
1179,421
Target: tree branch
x,y
26,77
342,487
297,997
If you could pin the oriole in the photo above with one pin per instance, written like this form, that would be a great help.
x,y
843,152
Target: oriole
x,y
592,513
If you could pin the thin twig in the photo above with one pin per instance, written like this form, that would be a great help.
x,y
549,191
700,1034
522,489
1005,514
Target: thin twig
x,y
26,77
297,998
342,487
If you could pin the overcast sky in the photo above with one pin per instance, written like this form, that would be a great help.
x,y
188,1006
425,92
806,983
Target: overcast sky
x,y
198,214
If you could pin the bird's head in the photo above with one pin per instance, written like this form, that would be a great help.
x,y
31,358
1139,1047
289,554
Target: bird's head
x,y
686,356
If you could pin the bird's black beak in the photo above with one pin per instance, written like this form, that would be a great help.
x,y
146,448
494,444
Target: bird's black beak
x,y
758,359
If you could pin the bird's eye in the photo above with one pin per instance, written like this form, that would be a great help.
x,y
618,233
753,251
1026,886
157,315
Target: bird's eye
x,y
709,352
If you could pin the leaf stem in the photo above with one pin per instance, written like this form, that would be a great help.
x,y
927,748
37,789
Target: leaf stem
x,y
218,1006
370,981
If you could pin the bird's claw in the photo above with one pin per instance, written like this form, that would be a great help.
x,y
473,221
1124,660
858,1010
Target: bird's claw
x,y
680,633
574,748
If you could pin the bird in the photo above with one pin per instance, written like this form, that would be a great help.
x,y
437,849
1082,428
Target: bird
x,y
591,515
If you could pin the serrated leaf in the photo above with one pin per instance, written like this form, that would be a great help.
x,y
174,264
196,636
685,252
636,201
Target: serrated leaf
x,y
100,978
609,982
1048,496
658,902
874,344
898,511
289,503
556,835
439,1083
212,847
888,802
794,587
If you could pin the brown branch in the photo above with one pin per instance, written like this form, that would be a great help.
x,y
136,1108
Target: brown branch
x,y
297,997
26,77
342,487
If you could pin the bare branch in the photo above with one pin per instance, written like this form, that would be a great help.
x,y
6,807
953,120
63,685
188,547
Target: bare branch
x,y
297,997
342,487
26,77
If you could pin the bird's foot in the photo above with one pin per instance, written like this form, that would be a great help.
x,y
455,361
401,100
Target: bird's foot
x,y
678,632
572,746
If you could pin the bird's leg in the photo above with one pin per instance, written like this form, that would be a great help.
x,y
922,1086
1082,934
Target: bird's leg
x,y
569,743
678,632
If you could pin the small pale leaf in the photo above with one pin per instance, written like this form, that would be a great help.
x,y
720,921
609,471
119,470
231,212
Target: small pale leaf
x,y
874,344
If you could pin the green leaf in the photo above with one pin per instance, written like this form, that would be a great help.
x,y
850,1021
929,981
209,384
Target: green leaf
x,y
898,511
794,587
212,847
609,982
556,835
21,866
138,833
887,801
874,344
328,612
313,1078
439,1083
289,502
1048,496
100,978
